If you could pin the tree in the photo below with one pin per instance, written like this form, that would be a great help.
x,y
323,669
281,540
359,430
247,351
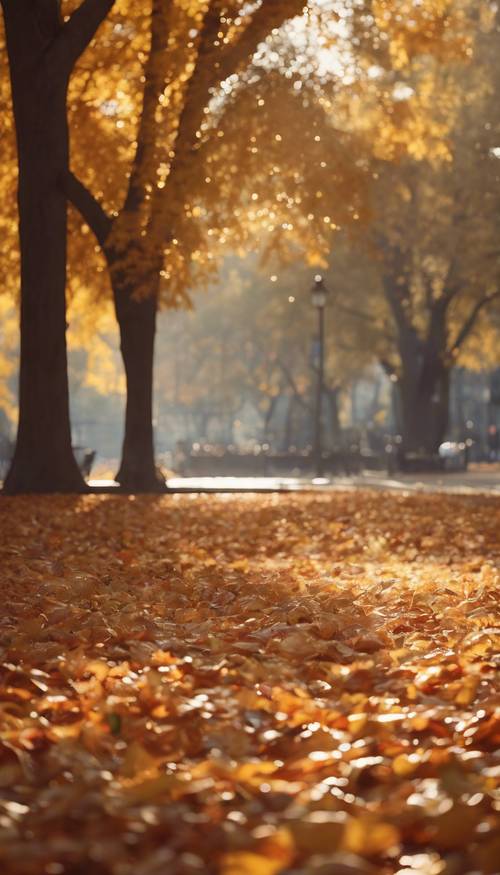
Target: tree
x,y
163,179
42,52
190,187
431,250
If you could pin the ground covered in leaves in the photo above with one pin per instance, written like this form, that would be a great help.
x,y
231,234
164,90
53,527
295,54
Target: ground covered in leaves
x,y
250,685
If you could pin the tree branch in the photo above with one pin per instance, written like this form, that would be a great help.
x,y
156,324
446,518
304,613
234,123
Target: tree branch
x,y
191,116
365,317
212,68
359,314
89,208
155,76
270,16
471,320
290,380
76,34
387,367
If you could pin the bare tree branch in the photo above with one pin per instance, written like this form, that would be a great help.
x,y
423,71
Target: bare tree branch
x,y
471,320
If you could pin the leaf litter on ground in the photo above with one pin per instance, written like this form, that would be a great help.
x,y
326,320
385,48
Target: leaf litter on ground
x,y
250,685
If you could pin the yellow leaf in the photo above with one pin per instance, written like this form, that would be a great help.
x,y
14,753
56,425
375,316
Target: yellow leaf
x,y
248,863
405,764
320,832
367,836
274,854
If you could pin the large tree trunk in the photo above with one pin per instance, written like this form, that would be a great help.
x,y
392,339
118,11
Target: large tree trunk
x,y
43,460
137,322
425,408
424,384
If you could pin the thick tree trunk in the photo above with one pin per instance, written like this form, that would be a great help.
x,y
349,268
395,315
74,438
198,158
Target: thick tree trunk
x,y
43,460
425,409
137,322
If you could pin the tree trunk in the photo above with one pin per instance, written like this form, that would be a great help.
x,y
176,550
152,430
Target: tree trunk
x,y
202,420
43,460
425,408
289,423
271,407
137,322
333,396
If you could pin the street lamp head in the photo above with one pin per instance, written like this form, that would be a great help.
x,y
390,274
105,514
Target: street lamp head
x,y
319,292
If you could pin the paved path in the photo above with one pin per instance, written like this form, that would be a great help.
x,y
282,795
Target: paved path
x,y
462,482
470,482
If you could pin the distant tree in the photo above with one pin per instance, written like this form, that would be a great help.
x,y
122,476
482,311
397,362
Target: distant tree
x,y
431,268
249,343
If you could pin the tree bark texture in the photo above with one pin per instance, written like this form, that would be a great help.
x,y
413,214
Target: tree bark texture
x,y
425,407
333,396
424,380
43,460
137,322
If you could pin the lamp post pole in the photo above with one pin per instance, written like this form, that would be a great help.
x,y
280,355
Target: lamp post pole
x,y
319,294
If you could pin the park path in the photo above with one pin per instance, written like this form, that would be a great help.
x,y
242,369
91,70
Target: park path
x,y
459,483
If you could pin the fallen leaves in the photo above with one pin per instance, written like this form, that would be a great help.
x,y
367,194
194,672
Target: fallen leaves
x,y
280,684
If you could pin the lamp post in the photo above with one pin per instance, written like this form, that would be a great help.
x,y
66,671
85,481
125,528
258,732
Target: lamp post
x,y
319,296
